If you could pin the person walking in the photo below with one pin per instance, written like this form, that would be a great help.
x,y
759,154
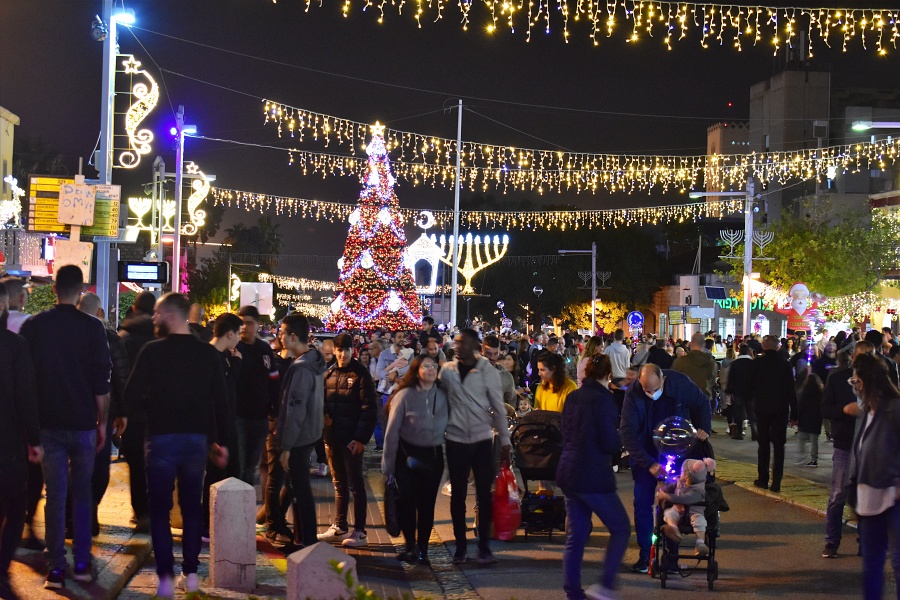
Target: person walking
x,y
875,471
179,383
593,346
350,416
414,454
619,355
700,366
657,355
775,405
301,420
809,420
739,384
20,441
473,389
590,438
839,405
655,396
72,368
386,378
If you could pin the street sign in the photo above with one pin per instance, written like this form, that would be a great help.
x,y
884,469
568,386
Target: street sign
x,y
676,315
635,320
43,207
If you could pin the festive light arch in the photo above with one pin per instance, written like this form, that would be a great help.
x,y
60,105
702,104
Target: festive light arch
x,y
715,23
545,219
431,160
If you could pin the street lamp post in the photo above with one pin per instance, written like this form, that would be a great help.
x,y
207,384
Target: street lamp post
x,y
748,243
180,130
593,253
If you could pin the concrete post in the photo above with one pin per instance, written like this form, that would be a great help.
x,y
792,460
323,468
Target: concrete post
x,y
232,528
310,573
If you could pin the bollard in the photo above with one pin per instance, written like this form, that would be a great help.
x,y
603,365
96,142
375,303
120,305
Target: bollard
x,y
232,541
310,573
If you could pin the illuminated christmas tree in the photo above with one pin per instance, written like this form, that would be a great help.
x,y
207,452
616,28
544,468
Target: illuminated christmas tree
x,y
375,287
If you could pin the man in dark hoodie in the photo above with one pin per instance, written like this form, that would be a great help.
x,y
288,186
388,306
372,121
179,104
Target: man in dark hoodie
x,y
19,438
657,355
135,331
301,419
349,422
775,403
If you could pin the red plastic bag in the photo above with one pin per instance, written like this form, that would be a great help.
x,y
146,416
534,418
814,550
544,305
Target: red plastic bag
x,y
507,512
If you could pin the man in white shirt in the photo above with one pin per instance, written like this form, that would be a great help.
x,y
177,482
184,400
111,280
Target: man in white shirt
x,y
619,355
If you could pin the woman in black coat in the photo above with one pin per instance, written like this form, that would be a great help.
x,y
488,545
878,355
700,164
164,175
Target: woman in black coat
x,y
585,475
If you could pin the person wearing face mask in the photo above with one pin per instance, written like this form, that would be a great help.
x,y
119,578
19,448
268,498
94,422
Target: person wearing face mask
x,y
655,396
840,405
585,475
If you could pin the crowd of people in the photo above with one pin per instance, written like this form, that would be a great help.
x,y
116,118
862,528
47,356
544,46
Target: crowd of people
x,y
192,404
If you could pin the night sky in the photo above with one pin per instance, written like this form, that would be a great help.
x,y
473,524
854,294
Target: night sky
x,y
50,75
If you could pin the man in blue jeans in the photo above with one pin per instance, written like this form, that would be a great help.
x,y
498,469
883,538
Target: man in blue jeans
x,y
657,395
72,368
179,381
839,406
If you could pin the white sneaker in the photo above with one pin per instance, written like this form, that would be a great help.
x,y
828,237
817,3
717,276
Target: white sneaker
x,y
598,592
356,539
189,583
446,489
333,534
701,549
166,588
322,470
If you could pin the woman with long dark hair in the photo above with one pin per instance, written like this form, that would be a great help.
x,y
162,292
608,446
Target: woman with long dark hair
x,y
555,385
590,438
875,470
413,452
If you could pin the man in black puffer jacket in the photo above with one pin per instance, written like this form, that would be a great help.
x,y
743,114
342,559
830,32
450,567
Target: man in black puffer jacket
x,y
350,416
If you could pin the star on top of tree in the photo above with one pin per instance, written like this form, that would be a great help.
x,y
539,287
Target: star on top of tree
x,y
377,129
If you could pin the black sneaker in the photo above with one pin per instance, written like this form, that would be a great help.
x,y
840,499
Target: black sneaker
x,y
280,537
830,551
485,558
641,566
83,572
760,484
813,464
56,579
460,557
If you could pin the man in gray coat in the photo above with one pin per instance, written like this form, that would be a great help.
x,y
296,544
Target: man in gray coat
x,y
301,419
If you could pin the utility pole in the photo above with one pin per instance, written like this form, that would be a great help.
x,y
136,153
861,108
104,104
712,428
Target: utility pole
x,y
455,271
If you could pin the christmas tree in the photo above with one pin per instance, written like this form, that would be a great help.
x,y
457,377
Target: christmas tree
x,y
375,287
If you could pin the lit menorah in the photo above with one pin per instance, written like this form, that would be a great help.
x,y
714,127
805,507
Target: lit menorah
x,y
474,254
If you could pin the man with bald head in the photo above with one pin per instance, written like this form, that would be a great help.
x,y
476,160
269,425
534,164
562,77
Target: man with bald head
x,y
700,366
655,396
775,404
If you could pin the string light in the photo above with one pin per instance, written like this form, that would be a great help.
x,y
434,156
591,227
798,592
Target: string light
x,y
551,219
297,283
855,307
672,21
429,160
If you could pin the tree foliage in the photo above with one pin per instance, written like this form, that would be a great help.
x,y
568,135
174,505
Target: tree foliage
x,y
835,252
609,314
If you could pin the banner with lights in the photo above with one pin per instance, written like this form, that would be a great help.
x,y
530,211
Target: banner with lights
x,y
713,23
423,159
143,96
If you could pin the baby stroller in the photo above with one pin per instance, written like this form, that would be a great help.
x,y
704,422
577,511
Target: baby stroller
x,y
666,554
537,443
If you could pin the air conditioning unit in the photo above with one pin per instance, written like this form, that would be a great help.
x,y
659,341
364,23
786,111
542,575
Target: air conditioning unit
x,y
820,129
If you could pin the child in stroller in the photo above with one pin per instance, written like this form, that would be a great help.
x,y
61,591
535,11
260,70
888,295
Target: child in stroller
x,y
688,496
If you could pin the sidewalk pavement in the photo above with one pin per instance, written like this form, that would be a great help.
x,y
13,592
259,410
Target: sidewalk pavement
x,y
126,569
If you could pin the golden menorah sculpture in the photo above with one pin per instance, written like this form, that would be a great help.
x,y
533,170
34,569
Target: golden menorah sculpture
x,y
475,253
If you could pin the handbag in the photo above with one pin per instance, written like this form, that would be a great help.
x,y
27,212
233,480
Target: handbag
x,y
391,507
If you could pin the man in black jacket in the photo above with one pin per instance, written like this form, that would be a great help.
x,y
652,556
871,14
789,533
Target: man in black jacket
x,y
839,405
349,422
657,355
19,438
775,403
740,385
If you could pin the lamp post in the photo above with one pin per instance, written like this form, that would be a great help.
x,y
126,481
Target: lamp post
x,y
104,161
179,130
867,125
228,287
748,243
593,253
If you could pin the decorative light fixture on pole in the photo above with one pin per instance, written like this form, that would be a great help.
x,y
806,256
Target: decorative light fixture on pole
x,y
179,131
593,253
748,245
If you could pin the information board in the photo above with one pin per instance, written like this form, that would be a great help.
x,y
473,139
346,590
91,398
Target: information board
x,y
75,205
43,207
71,252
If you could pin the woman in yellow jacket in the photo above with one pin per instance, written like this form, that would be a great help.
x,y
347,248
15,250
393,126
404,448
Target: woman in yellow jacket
x,y
555,386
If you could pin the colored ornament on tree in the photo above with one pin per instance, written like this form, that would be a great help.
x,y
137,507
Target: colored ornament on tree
x,y
375,286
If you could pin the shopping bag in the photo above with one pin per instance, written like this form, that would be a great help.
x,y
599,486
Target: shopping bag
x,y
391,508
507,513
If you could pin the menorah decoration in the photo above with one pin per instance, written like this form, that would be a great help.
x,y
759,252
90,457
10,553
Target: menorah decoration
x,y
732,237
474,256
603,276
